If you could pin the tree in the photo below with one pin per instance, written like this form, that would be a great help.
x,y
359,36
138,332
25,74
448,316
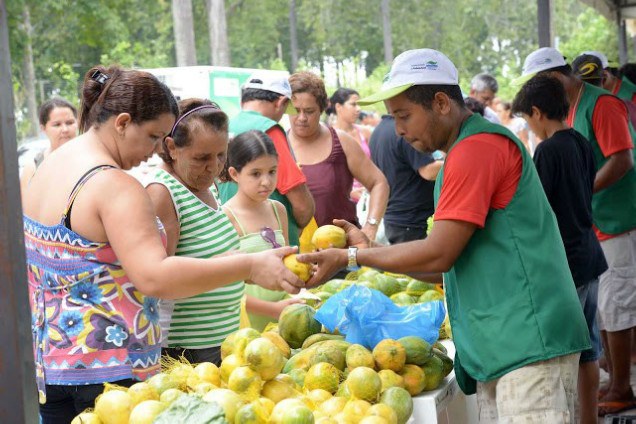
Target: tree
x,y
29,74
385,11
293,35
184,32
217,25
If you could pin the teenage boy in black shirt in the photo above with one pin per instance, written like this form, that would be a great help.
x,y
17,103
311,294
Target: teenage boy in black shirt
x,y
565,164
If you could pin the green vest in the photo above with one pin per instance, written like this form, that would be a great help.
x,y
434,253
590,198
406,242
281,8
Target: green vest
x,y
248,120
626,90
614,208
510,294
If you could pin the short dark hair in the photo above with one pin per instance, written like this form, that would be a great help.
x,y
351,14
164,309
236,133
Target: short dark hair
x,y
424,94
250,94
47,107
246,147
475,105
310,83
339,97
628,70
213,119
120,90
546,94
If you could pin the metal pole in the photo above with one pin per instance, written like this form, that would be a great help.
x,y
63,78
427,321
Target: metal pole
x,y
544,26
622,38
18,394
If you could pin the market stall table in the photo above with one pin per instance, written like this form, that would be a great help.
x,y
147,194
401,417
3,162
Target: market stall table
x,y
446,404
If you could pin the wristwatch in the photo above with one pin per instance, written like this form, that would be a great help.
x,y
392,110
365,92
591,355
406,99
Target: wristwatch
x,y
352,256
372,221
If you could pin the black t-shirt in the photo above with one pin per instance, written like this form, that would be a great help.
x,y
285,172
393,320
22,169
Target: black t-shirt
x,y
566,167
411,197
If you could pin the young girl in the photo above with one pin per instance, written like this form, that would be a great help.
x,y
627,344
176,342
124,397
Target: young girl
x,y
260,222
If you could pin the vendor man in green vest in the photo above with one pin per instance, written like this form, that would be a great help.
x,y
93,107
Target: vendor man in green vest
x,y
264,100
602,118
517,323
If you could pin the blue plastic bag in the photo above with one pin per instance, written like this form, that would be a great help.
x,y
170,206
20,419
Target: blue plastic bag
x,y
366,316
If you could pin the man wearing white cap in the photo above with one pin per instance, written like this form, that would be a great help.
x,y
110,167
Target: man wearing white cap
x,y
517,323
603,119
264,100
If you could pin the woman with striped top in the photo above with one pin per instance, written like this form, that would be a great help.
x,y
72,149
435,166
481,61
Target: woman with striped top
x,y
183,192
96,261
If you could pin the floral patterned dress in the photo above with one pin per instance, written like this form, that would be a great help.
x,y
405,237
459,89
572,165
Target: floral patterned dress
x,y
90,325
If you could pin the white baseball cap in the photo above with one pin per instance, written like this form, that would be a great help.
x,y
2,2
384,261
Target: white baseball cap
x,y
269,81
540,60
415,67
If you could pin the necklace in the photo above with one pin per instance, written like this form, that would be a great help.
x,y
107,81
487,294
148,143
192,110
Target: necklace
x,y
575,104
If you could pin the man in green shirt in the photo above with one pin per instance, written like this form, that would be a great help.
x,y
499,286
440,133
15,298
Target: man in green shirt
x,y
517,323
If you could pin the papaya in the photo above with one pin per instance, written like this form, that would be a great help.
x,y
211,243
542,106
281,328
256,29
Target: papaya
x,y
390,379
417,287
298,377
227,347
368,275
402,298
320,337
351,276
389,354
387,284
414,379
434,373
302,270
439,346
329,236
359,356
418,351
430,295
301,360
367,284
329,354
403,282
334,286
296,323
341,345
447,363
323,375
280,343
400,400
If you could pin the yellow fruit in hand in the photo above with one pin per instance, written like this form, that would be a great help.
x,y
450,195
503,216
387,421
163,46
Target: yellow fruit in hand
x,y
302,270
329,236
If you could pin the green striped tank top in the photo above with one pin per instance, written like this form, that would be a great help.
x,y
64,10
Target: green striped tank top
x,y
204,320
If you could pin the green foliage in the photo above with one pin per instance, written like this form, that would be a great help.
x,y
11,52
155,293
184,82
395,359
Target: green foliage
x,y
592,32
70,36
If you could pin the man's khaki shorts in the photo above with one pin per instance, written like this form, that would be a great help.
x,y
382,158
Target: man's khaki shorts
x,y
543,392
617,285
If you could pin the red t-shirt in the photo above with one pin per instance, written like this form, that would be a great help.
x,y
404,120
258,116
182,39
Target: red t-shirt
x,y
609,121
289,174
482,172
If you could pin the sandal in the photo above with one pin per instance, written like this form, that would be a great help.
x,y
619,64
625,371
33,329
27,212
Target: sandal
x,y
615,406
